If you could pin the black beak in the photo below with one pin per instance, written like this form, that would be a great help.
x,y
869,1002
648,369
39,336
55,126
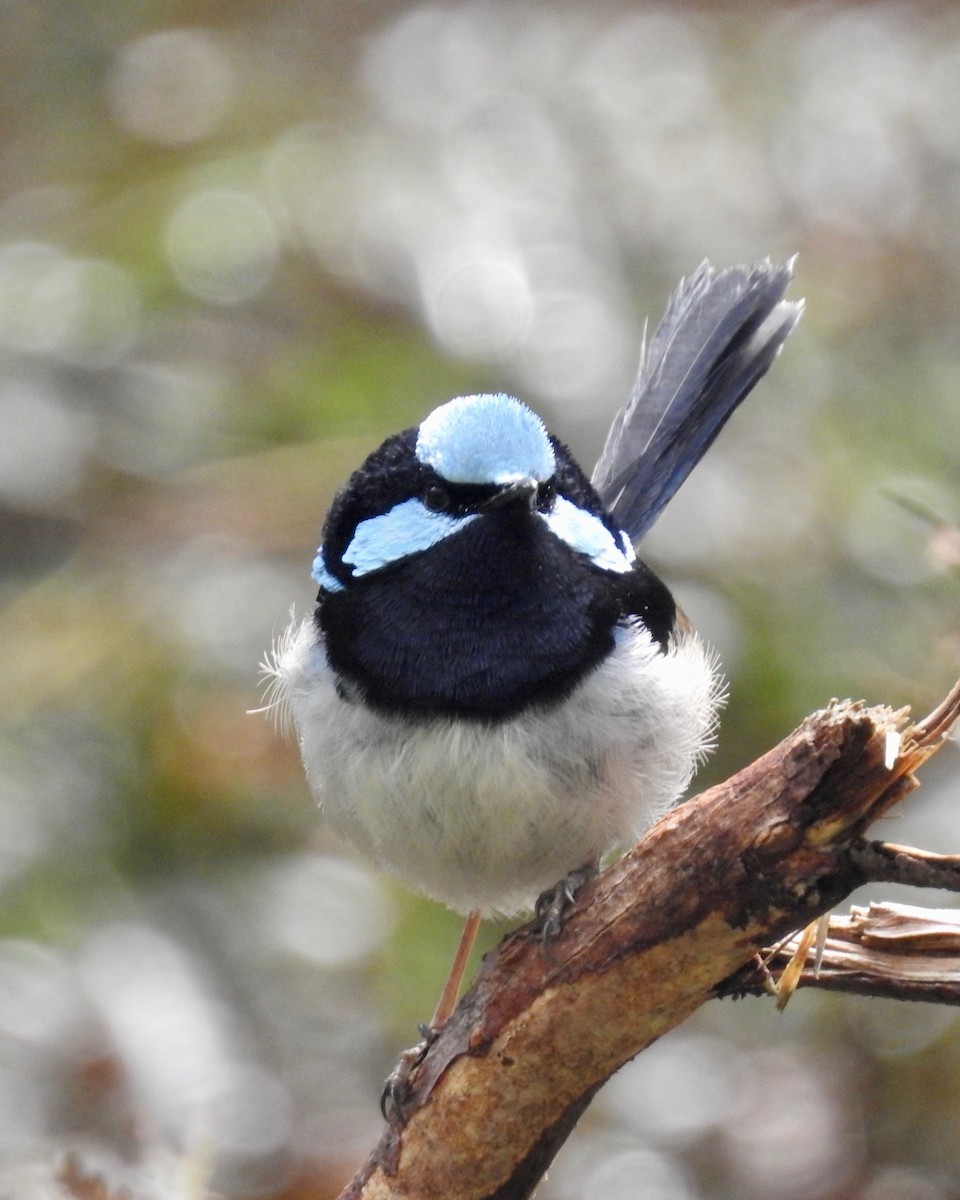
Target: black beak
x,y
520,491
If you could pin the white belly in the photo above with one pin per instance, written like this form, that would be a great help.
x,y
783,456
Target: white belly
x,y
486,816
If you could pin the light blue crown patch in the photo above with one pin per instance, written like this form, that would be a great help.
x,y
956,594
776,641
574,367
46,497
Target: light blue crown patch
x,y
486,439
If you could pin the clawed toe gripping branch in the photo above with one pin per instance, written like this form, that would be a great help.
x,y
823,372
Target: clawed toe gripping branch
x,y
679,920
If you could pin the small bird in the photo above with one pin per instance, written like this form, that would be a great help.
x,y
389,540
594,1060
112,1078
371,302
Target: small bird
x,y
494,691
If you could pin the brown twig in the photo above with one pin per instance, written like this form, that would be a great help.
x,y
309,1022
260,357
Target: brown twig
x,y
885,862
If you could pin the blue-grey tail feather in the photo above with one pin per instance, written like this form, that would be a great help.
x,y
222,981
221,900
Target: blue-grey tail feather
x,y
719,335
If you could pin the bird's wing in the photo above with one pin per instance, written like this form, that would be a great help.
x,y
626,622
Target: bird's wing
x,y
719,335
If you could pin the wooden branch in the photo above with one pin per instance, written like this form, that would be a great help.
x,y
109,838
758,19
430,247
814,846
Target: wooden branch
x,y
647,942
884,862
892,950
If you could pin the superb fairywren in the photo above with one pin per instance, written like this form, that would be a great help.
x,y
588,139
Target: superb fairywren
x,y
494,690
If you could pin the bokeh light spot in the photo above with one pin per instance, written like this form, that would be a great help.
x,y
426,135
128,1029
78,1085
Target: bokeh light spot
x,y
171,87
222,246
325,909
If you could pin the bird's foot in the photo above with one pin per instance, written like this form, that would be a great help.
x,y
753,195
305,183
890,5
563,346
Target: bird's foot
x,y
396,1093
552,905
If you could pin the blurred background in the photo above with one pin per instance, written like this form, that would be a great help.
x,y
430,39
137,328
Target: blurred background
x,y
241,243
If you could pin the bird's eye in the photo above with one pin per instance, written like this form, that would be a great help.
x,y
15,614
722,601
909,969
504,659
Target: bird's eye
x,y
436,498
546,495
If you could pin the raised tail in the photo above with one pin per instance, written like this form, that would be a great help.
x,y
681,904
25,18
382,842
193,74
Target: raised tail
x,y
720,334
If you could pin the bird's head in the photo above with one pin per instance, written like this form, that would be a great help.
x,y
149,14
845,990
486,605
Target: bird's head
x,y
475,459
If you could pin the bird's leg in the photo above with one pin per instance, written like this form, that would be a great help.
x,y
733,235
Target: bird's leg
x,y
554,902
396,1088
451,989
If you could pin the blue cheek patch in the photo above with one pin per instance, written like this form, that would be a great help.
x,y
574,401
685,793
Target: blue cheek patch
x,y
410,527
486,439
406,529
588,535
328,582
